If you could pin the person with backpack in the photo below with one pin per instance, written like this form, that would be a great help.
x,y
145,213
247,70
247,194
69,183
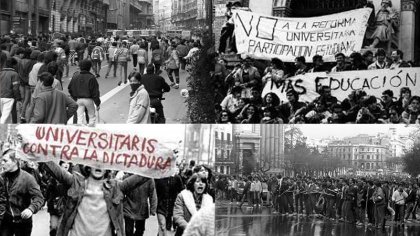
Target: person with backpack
x,y
142,57
123,57
157,55
172,65
112,61
182,52
97,57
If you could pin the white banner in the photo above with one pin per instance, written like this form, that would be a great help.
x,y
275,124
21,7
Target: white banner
x,y
374,82
266,37
143,150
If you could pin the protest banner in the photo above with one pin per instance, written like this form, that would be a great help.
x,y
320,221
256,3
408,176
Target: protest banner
x,y
373,82
265,37
142,151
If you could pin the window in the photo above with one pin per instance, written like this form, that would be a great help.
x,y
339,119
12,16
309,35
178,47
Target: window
x,y
216,136
228,138
368,157
222,169
227,154
223,136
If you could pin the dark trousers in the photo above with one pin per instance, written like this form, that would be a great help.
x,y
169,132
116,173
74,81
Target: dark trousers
x,y
176,72
157,104
227,32
371,212
10,228
134,60
399,213
134,227
330,210
289,199
299,203
141,68
380,214
157,68
96,66
283,204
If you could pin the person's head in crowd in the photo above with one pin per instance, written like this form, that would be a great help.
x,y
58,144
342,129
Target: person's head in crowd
x,y
3,58
356,59
271,100
66,166
277,64
237,4
368,57
387,96
338,115
269,113
247,63
300,62
340,58
405,93
135,82
192,164
11,63
325,91
85,65
255,93
197,185
27,53
224,117
317,61
124,44
9,161
394,116
292,96
385,4
237,92
3,47
52,68
49,57
20,52
414,104
47,79
397,55
143,45
114,44
203,171
380,55
251,114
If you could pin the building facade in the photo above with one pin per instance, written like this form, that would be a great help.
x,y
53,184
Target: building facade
x,y
189,14
246,146
199,144
223,146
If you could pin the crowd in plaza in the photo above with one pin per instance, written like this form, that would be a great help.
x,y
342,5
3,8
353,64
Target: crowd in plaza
x,y
84,200
240,95
368,201
33,70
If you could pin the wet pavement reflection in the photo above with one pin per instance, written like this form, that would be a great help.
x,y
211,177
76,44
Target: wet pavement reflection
x,y
235,221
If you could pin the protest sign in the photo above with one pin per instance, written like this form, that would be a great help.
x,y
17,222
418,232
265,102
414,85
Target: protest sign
x,y
373,82
142,151
266,37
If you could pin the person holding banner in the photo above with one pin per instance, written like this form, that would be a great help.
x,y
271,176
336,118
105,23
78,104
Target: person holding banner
x,y
23,195
340,59
94,203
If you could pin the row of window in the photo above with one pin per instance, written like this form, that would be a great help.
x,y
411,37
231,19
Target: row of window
x,y
223,169
355,150
361,157
222,136
222,154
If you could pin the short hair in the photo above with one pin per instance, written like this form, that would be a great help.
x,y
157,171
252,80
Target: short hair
x,y
85,65
316,57
236,89
47,79
114,44
11,62
293,93
136,75
301,59
3,47
192,163
340,54
404,90
12,154
277,62
20,50
388,92
52,68
414,98
399,53
380,52
368,53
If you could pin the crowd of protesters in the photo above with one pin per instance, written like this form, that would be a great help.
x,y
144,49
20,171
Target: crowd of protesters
x,y
84,200
369,201
239,90
32,70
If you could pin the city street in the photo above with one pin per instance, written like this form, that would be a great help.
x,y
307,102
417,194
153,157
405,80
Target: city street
x,y
41,224
235,221
115,99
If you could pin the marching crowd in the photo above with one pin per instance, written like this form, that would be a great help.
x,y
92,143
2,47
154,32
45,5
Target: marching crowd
x,y
32,70
239,93
84,200
359,200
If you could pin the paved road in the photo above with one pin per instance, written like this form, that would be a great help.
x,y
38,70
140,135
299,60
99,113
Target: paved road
x,y
41,222
234,221
115,98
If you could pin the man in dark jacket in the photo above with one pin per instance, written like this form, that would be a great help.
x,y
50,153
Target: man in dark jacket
x,y
167,190
155,85
84,88
24,197
52,106
9,90
2,200
136,208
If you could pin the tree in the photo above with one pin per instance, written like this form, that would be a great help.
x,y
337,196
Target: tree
x,y
200,101
411,161
292,136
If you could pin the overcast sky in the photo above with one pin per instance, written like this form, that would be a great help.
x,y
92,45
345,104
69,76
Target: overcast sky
x,y
318,131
